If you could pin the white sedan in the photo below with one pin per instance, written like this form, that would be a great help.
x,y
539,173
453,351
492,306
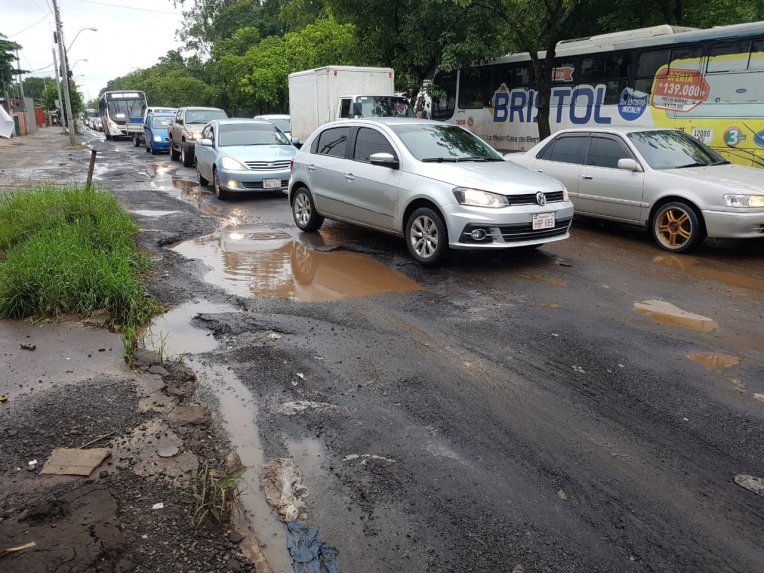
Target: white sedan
x,y
678,188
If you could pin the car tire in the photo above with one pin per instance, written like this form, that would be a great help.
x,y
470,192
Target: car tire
x,y
220,193
202,181
426,237
174,154
304,212
108,137
136,143
187,155
677,227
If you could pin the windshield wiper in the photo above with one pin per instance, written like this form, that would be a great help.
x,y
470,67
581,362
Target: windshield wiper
x,y
482,159
692,165
439,160
722,162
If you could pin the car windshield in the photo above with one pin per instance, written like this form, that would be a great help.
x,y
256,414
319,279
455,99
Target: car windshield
x,y
250,134
444,143
161,120
674,150
204,115
384,106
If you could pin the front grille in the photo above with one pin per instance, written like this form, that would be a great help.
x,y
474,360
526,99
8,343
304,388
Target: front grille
x,y
259,184
530,198
267,165
525,232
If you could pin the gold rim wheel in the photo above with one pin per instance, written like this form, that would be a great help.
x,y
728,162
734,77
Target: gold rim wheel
x,y
674,227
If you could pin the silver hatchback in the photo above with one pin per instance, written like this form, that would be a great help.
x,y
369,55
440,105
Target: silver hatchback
x,y
437,185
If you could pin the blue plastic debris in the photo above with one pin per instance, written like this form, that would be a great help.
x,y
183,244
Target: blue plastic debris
x,y
309,554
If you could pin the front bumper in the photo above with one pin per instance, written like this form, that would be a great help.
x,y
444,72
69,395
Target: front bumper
x,y
506,227
248,181
734,225
163,145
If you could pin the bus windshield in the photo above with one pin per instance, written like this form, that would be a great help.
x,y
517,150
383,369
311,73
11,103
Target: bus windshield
x,y
126,108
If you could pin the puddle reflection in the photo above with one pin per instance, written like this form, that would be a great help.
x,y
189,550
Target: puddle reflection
x,y
248,260
199,199
714,361
179,183
174,334
710,270
150,213
666,313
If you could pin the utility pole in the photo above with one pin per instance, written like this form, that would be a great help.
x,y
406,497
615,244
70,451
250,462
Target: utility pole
x,y
58,88
21,84
65,68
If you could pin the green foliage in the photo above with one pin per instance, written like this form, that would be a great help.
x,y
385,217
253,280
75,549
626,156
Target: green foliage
x,y
297,14
49,99
35,86
8,67
70,251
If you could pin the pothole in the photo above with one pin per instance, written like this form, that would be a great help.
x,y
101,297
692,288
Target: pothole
x,y
666,313
714,361
248,260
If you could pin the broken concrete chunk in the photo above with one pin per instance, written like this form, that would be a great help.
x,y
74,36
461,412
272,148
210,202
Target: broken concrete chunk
x,y
160,370
193,415
143,357
751,483
75,461
300,406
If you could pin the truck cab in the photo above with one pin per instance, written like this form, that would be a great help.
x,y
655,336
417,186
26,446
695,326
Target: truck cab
x,y
355,106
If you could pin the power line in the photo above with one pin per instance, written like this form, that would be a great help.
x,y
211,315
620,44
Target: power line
x,y
131,7
30,26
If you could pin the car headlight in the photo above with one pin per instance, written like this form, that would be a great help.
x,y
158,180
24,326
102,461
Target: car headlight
x,y
744,200
565,194
478,198
231,163
157,138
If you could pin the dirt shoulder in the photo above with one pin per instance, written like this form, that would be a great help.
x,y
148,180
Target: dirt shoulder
x,y
66,385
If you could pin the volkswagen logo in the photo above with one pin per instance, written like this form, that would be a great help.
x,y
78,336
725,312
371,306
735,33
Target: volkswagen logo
x,y
540,198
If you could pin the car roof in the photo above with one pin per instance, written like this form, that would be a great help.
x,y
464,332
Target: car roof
x,y
388,121
272,116
237,120
196,108
622,129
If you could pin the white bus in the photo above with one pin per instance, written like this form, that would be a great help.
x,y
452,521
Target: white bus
x,y
709,83
118,108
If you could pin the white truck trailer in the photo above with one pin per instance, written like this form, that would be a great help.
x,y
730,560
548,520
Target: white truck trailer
x,y
322,95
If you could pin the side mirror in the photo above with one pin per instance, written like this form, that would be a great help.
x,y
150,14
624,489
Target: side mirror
x,y
179,121
384,159
296,142
628,164
205,142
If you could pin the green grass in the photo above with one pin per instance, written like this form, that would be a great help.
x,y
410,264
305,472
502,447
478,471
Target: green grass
x,y
71,251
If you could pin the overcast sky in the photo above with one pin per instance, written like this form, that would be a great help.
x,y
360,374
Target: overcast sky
x,y
131,34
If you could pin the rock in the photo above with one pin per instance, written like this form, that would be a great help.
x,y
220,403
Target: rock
x,y
103,474
168,451
235,537
193,415
232,464
160,370
143,357
233,565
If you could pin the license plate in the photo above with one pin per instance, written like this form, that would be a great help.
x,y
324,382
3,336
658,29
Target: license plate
x,y
543,221
272,184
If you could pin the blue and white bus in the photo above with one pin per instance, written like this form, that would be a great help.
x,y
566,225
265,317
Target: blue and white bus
x,y
709,83
118,108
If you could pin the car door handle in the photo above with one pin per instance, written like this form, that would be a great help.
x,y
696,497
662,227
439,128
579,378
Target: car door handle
x,y
311,167
349,177
587,177
540,170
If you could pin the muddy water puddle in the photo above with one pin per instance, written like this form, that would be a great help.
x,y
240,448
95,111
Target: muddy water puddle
x,y
714,361
712,270
666,313
180,183
175,335
248,260
152,213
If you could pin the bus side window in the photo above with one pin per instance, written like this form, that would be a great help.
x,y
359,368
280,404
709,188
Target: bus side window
x,y
647,66
688,58
520,76
728,57
475,88
618,74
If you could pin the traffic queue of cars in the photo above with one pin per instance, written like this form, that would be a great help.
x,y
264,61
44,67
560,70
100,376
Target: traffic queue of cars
x,y
441,187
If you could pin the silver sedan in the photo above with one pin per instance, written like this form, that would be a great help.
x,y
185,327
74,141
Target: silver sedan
x,y
437,185
663,179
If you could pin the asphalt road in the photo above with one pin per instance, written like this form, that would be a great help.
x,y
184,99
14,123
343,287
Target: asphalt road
x,y
508,409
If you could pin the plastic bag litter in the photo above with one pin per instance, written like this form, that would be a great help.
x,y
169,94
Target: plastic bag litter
x,y
282,483
309,553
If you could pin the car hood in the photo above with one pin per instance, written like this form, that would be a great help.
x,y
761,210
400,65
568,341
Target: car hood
x,y
730,177
195,127
502,177
259,152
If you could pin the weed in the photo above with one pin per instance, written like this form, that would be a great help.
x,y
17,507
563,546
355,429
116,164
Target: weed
x,y
71,251
213,493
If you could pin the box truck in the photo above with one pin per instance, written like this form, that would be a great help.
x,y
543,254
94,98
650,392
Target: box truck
x,y
322,95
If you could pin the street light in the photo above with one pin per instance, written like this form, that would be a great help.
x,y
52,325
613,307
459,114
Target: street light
x,y
77,34
76,62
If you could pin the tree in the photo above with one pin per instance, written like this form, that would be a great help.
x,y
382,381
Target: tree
x,y
415,36
35,86
535,26
8,67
